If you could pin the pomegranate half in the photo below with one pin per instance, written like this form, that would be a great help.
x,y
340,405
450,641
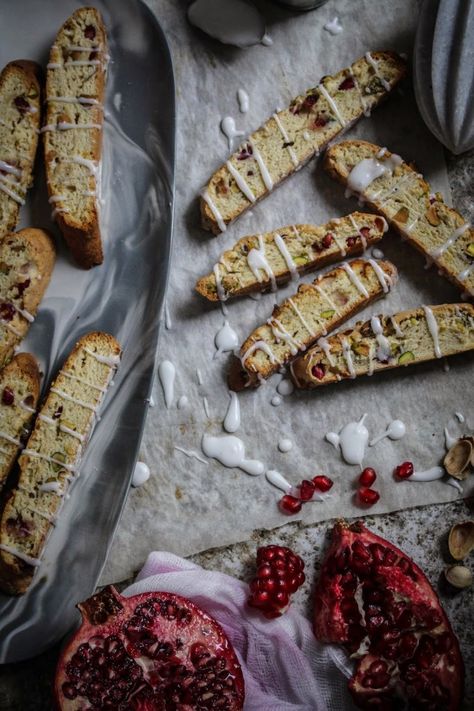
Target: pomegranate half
x,y
151,652
371,598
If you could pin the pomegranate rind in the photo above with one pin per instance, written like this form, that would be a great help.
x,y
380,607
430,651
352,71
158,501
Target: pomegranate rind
x,y
439,675
131,621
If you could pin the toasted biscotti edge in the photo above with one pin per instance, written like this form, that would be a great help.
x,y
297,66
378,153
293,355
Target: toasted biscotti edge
x,y
22,366
333,166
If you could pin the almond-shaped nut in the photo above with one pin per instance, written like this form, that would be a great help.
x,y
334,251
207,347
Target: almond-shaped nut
x,y
401,216
461,539
458,576
432,216
458,459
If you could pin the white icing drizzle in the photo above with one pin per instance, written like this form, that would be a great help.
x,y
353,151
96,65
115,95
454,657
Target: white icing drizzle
x,y
427,475
205,404
370,60
9,438
232,419
11,328
322,90
325,346
38,455
411,225
276,400
74,63
460,417
241,182
257,260
74,100
243,99
229,450
368,170
395,431
166,374
301,317
357,229
81,403
106,360
449,440
229,130
266,177
57,198
192,455
433,329
62,428
4,186
286,139
464,275
34,562
66,126
280,243
199,376
347,354
334,27
306,135
221,293
26,407
384,352
213,208
141,474
278,480
370,359
259,346
7,168
323,294
226,339
65,374
377,253
436,253
91,165
51,487
80,48
26,315
352,441
396,327
451,481
355,279
285,387
281,334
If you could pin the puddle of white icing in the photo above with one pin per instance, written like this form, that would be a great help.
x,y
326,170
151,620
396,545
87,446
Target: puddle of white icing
x,y
267,40
278,480
285,387
276,400
395,430
451,481
352,441
229,450
152,401
428,475
168,322
230,131
231,22
183,402
141,474
243,99
285,444
377,253
449,439
460,417
334,27
166,374
226,339
369,169
232,419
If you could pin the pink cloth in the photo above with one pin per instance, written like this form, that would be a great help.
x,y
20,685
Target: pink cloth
x,y
284,667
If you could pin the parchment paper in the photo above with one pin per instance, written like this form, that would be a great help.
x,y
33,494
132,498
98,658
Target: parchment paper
x,y
187,506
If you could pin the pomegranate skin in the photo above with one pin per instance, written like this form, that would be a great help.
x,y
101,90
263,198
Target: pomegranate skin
x,y
394,627
150,652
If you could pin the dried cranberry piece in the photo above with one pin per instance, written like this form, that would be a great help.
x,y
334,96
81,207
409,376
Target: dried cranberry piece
x,y
21,104
7,311
318,371
320,122
350,241
309,102
8,396
327,240
58,412
365,232
245,153
348,83
22,285
90,32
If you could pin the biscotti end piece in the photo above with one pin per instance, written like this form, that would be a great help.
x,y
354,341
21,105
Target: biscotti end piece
x,y
26,262
393,187
290,138
385,342
316,309
262,262
19,393
20,111
75,94
51,458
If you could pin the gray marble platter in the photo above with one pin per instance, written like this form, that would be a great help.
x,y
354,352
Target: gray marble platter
x,y
124,296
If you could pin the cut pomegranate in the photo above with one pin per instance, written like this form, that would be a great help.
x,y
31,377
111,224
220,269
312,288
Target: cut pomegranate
x,y
290,504
318,371
367,496
322,483
8,396
367,477
279,574
405,470
374,600
149,652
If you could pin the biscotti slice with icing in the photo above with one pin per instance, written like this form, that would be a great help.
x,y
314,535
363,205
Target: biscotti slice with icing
x,y
393,188
265,261
20,121
312,312
26,262
290,138
385,342
75,91
19,393
51,458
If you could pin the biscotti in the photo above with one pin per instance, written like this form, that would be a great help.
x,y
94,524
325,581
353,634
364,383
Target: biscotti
x,y
20,121
290,138
312,312
384,342
19,393
51,458
75,90
26,262
399,193
262,262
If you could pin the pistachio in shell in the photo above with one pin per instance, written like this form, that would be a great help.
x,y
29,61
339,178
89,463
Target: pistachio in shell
x,y
458,576
458,459
469,438
461,539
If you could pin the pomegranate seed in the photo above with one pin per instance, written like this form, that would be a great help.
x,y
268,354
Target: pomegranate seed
x,y
22,285
320,122
365,231
367,477
318,371
405,470
306,490
310,101
327,240
7,311
8,397
21,104
89,32
272,594
369,497
350,241
348,83
290,504
322,483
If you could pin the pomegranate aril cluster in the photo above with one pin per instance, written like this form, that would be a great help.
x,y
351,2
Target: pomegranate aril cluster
x,y
279,575
291,503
